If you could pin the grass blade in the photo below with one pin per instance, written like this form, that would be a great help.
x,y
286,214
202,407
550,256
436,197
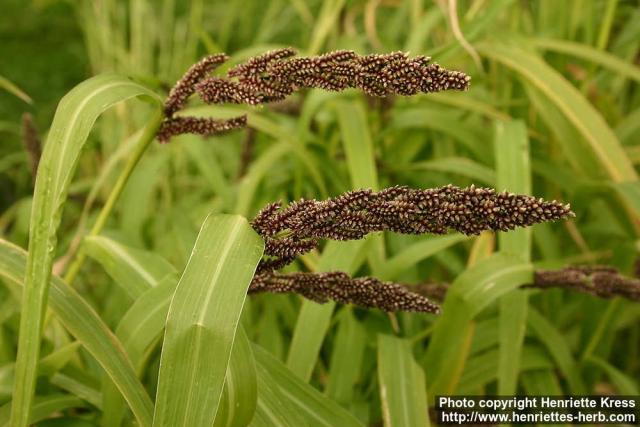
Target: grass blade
x,y
83,323
313,406
44,407
313,321
513,174
573,105
557,346
589,53
402,386
132,269
73,120
346,358
202,320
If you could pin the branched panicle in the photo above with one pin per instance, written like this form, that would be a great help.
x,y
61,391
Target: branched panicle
x,y
355,214
338,286
274,75
199,126
185,87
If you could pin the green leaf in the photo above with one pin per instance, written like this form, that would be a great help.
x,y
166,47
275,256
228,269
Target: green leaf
x,y
586,119
589,53
7,85
402,386
72,123
460,166
86,326
513,174
202,321
469,294
132,269
313,320
623,383
346,358
313,406
557,346
358,146
43,407
240,395
413,254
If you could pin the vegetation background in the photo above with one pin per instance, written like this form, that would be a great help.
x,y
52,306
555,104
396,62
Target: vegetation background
x,y
553,110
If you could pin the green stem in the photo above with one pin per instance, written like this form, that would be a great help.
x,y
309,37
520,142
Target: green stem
x,y
141,146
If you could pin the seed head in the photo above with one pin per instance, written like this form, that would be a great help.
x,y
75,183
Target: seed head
x,y
338,286
355,214
196,125
185,87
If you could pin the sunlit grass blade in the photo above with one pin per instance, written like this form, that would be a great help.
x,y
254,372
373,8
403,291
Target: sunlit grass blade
x,y
10,87
85,325
402,386
313,406
44,407
132,269
589,53
513,171
202,321
586,119
72,123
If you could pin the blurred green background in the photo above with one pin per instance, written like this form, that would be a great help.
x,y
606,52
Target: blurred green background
x,y
557,80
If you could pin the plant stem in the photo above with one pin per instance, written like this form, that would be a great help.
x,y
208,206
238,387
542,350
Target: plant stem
x,y
141,146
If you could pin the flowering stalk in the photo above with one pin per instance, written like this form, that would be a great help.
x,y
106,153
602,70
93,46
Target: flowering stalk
x,y
275,75
338,286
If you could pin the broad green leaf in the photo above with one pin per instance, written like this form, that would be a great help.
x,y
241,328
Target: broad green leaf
x,y
72,123
141,325
402,388
573,105
313,406
202,321
273,408
132,269
86,326
513,174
